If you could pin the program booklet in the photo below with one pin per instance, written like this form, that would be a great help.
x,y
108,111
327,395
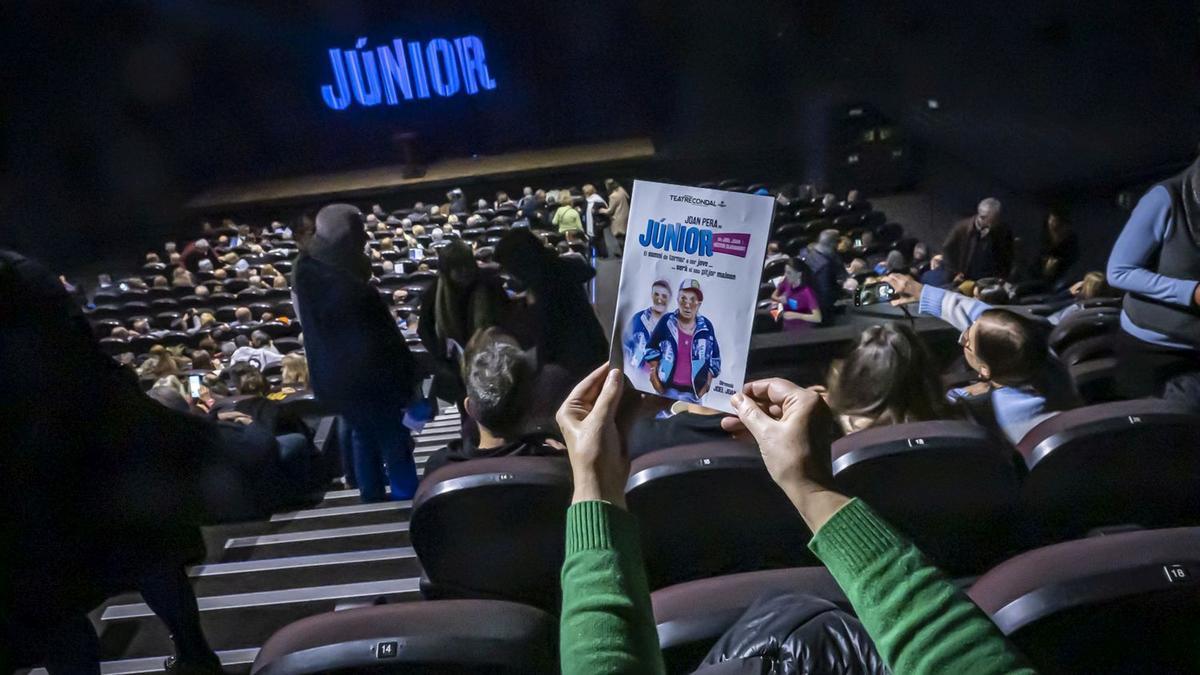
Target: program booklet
x,y
690,275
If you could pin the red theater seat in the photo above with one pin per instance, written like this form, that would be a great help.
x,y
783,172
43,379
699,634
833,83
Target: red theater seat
x,y
710,509
1129,462
949,485
1121,603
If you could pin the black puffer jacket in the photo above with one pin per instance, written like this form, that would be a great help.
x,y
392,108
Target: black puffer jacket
x,y
794,634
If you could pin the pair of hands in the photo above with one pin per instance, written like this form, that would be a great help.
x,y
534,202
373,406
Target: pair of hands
x,y
776,412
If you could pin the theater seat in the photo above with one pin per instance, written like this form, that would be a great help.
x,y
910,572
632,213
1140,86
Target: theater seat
x,y
709,509
493,529
1129,462
1096,379
691,616
1087,349
1121,603
949,485
287,345
451,636
1084,324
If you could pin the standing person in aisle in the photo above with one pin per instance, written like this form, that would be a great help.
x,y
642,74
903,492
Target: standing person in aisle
x,y
618,214
359,363
1156,260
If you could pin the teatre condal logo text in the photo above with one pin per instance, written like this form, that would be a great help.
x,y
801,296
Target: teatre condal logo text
x,y
406,71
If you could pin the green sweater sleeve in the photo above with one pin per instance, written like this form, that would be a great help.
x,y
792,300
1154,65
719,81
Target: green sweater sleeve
x,y
607,625
920,622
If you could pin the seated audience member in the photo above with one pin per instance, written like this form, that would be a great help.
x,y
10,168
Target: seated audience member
x,y
828,272
252,400
1022,383
830,207
993,291
919,620
160,282
152,257
158,365
888,378
295,371
980,246
773,253
799,308
181,278
498,378
857,272
855,202
1059,252
202,360
937,275
894,262
120,332
260,353
920,262
687,423
242,316
1093,285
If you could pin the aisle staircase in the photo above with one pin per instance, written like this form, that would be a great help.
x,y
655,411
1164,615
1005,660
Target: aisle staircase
x,y
260,576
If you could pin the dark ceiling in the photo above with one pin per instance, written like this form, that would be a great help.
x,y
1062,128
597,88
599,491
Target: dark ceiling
x,y
116,112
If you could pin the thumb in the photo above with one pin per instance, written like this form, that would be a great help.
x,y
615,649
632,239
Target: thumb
x,y
749,413
605,407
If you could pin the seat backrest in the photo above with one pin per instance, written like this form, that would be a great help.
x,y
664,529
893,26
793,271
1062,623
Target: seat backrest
x,y
434,638
709,509
1087,349
1120,603
1083,324
494,528
1127,462
950,485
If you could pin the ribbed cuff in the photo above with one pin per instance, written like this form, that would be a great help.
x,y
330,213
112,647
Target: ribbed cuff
x,y
1185,292
853,537
931,300
598,525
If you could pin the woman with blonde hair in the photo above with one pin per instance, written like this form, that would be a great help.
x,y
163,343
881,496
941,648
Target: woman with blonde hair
x,y
295,371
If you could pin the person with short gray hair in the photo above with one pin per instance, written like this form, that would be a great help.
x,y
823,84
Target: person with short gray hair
x,y
980,246
499,379
827,275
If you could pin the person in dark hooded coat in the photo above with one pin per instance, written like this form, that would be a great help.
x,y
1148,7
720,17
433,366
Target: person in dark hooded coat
x,y
98,482
464,301
567,333
359,362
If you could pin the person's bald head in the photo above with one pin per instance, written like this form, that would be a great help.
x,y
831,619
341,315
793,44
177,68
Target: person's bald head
x,y
243,315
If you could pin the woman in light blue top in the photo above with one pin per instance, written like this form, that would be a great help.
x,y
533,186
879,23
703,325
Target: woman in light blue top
x,y
1156,260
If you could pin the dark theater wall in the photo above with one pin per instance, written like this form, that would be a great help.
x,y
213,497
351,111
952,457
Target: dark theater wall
x,y
116,112
119,111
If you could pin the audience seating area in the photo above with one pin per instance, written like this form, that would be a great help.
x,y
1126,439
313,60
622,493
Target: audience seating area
x,y
1051,537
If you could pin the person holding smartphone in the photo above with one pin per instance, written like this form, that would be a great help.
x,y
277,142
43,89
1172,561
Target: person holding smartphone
x,y
799,308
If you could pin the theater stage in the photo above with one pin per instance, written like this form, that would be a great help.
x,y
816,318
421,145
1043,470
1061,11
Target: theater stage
x,y
590,159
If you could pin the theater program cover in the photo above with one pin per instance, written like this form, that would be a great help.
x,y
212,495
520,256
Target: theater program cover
x,y
689,285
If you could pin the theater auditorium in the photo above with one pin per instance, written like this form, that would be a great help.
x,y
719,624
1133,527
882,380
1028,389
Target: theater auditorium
x,y
821,337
